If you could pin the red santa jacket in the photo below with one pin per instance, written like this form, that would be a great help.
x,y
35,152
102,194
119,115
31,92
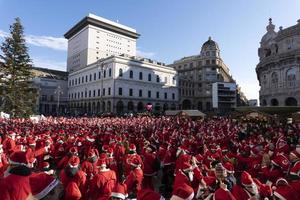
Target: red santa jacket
x,y
90,169
9,145
3,163
79,178
149,164
16,185
102,184
240,193
134,180
127,161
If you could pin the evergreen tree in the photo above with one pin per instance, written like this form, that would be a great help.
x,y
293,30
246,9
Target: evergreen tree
x,y
18,95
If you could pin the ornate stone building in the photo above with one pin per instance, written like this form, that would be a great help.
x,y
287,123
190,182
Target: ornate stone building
x,y
197,74
278,68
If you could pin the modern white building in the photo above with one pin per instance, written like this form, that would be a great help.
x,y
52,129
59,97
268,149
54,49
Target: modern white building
x,y
94,38
224,96
106,76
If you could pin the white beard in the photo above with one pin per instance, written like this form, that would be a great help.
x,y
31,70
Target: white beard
x,y
253,189
191,176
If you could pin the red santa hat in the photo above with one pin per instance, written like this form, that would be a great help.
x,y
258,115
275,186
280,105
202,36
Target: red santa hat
x,y
132,147
45,166
186,166
295,153
281,181
102,160
91,153
31,142
222,194
183,192
135,162
246,179
41,184
105,147
19,158
281,161
285,192
229,167
74,150
119,191
74,162
148,194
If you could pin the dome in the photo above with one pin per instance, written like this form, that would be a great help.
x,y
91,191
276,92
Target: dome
x,y
210,44
270,35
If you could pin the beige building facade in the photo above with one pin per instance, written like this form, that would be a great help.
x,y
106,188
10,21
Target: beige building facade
x,y
278,70
197,73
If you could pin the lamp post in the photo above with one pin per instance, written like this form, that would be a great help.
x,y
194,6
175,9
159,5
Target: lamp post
x,y
58,91
101,67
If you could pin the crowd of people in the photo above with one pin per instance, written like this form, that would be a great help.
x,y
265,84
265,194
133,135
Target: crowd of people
x,y
148,158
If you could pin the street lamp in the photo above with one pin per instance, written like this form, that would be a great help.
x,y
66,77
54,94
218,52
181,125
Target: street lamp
x,y
58,91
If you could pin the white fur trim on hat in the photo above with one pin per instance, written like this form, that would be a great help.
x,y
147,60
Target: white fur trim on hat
x,y
279,196
73,166
45,191
16,163
281,179
175,197
117,195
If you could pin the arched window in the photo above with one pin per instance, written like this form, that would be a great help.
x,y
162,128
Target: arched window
x,y
274,79
131,74
120,72
291,77
149,77
157,79
141,76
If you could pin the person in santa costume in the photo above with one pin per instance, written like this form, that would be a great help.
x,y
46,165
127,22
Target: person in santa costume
x,y
135,178
45,186
284,191
89,166
9,143
183,192
73,151
102,183
184,178
132,154
73,173
151,165
247,189
3,161
293,175
148,194
16,185
119,192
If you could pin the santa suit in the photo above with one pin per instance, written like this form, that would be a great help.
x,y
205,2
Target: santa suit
x,y
102,184
127,161
112,164
134,180
9,145
150,169
272,173
240,193
79,178
3,163
294,174
89,168
16,185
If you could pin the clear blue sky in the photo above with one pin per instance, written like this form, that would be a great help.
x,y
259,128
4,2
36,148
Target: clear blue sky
x,y
170,29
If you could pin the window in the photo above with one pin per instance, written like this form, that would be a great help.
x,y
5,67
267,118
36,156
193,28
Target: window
x,y
85,94
98,92
44,97
95,76
291,77
82,79
130,92
157,95
213,53
141,76
213,61
104,74
79,80
166,95
71,96
131,74
191,65
109,91
120,91
94,93
69,82
120,72
166,79
86,78
173,80
157,79
90,93
75,81
81,94
173,96
99,75
90,77
207,53
72,82
140,93
149,77
109,72
103,92
207,62
149,94
274,79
